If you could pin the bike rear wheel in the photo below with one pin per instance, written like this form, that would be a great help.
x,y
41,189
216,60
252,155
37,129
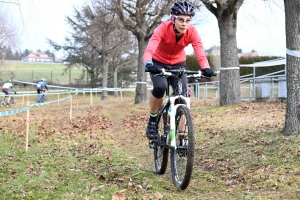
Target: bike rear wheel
x,y
161,152
13,102
3,103
182,158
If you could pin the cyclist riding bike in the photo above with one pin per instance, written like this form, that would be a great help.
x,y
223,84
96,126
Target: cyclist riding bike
x,y
41,86
166,50
5,89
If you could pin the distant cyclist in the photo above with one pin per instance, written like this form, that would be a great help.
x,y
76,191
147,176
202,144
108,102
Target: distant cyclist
x,y
41,86
5,89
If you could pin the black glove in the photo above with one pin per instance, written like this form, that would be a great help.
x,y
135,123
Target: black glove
x,y
153,69
15,92
208,72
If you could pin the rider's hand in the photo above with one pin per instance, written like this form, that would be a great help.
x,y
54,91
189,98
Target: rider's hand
x,y
15,92
153,69
208,72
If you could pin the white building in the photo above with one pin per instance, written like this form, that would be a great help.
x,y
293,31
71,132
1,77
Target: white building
x,y
37,57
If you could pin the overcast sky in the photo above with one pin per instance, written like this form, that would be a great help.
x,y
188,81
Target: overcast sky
x,y
261,26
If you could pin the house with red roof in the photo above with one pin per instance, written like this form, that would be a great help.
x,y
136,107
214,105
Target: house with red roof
x,y
37,57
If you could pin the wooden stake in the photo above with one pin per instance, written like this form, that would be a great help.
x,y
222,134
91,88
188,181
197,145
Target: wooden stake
x,y
71,102
91,94
27,129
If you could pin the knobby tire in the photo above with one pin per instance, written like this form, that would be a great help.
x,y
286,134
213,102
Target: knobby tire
x,y
182,158
161,152
3,103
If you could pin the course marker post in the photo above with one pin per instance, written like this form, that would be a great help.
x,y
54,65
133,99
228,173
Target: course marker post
x,y
121,94
91,94
27,128
71,103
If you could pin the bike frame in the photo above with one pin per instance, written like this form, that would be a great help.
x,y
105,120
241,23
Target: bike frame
x,y
42,95
170,104
172,114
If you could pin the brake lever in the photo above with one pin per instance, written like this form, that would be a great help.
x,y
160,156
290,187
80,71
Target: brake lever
x,y
206,77
160,74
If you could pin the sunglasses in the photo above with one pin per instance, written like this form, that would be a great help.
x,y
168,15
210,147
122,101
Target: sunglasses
x,y
182,20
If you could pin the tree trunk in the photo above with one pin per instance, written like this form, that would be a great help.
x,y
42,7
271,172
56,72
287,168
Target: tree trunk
x,y
116,82
292,19
141,86
229,74
104,78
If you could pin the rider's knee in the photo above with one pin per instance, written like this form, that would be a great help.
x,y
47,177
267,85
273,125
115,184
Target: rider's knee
x,y
158,92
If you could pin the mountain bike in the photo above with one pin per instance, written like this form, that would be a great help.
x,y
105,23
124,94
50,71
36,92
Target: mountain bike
x,y
175,130
12,102
41,98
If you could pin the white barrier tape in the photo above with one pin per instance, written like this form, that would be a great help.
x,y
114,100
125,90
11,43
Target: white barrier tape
x,y
12,112
228,68
293,53
53,86
142,82
35,94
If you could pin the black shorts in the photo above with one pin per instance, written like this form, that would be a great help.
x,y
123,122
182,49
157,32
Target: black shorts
x,y
5,91
39,90
160,83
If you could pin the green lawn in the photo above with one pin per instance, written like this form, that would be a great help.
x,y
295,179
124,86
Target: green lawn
x,y
32,72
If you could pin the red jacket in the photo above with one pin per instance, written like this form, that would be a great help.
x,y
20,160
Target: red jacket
x,y
162,46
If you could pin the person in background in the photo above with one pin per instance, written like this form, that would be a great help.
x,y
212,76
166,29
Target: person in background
x,y
166,50
5,88
190,90
41,86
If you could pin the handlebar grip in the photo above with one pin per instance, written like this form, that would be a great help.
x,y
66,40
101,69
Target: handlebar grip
x,y
147,70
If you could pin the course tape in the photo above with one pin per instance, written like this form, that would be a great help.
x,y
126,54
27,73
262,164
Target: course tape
x,y
293,53
228,68
52,86
12,112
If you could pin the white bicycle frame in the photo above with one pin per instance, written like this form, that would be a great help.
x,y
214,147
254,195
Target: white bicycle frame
x,y
173,107
172,114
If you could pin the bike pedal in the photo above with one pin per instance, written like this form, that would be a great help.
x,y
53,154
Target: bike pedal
x,y
152,144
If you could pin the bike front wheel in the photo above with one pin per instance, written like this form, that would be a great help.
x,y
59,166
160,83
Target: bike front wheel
x,y
3,103
182,157
161,152
44,97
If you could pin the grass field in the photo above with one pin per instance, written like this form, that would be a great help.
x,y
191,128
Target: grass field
x,y
103,153
32,72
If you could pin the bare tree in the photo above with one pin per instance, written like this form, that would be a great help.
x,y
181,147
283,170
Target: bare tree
x,y
7,36
77,48
292,19
124,55
226,13
97,36
141,18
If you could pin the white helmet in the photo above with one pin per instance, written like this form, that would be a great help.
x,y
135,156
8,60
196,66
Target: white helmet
x,y
42,79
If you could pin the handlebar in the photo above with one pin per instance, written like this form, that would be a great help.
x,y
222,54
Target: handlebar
x,y
170,72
